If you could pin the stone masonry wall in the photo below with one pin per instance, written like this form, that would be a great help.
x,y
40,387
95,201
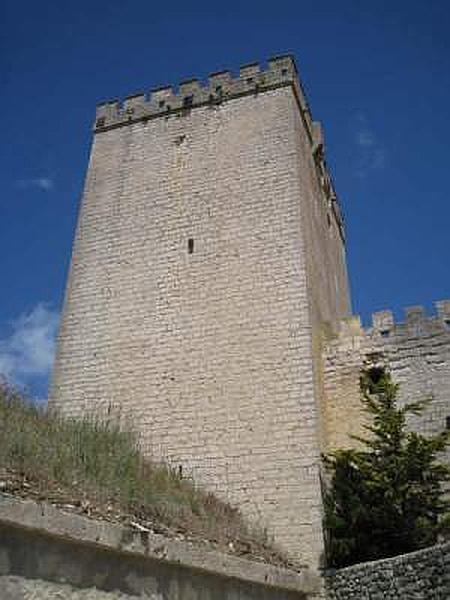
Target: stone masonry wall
x,y
422,575
417,353
328,292
197,283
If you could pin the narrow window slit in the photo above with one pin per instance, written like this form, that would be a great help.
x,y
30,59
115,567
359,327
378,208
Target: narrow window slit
x,y
190,245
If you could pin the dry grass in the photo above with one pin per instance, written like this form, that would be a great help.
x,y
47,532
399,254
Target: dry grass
x,y
98,467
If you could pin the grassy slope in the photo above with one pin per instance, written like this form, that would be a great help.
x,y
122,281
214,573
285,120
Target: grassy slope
x,y
97,467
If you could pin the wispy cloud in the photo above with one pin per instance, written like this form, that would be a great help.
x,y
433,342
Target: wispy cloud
x,y
27,352
371,154
365,138
45,184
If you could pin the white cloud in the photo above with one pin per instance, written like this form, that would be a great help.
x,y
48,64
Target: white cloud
x,y
365,138
44,183
41,183
371,154
28,350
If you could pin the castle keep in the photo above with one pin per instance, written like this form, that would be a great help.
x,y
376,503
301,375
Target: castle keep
x,y
208,299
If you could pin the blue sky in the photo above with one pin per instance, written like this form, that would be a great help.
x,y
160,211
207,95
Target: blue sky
x,y
377,74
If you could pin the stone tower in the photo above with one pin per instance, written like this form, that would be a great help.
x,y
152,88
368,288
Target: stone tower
x,y
209,256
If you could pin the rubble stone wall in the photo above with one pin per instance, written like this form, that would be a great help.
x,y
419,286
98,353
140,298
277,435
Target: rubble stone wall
x,y
424,575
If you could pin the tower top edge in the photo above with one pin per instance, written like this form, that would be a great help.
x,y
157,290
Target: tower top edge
x,y
416,322
220,86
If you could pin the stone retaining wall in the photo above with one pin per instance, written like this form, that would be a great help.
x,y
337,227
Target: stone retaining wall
x,y
422,575
49,554
46,553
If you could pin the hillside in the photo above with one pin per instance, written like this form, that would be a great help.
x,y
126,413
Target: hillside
x,y
95,468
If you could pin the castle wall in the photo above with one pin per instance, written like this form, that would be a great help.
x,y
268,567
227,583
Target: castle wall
x,y
327,279
417,353
424,574
189,303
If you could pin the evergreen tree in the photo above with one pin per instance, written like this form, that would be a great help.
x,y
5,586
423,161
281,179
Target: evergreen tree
x,y
386,498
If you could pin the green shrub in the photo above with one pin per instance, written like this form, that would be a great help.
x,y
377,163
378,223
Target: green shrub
x,y
387,498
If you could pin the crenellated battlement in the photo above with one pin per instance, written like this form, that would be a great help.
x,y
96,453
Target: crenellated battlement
x,y
416,351
220,86
254,78
416,323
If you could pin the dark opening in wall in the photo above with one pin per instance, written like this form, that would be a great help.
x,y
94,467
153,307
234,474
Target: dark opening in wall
x,y
190,245
385,333
370,378
179,140
447,324
447,422
375,374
